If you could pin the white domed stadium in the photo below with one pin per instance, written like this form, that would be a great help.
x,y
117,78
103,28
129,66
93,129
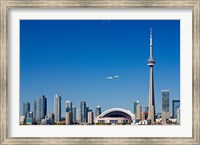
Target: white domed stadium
x,y
115,116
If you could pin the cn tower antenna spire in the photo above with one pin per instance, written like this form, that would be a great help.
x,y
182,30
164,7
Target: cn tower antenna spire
x,y
150,36
151,45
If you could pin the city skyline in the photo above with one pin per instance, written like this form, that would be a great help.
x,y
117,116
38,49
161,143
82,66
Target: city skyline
x,y
112,88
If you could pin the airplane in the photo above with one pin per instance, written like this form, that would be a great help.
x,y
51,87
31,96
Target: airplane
x,y
112,77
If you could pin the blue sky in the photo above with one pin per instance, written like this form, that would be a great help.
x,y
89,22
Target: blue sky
x,y
72,58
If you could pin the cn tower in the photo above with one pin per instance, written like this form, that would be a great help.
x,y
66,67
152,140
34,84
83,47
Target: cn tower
x,y
151,63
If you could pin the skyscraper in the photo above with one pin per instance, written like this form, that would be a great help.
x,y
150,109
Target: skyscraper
x,y
97,111
74,114
83,112
29,118
68,118
68,106
26,108
38,111
57,108
69,110
86,113
139,110
34,111
41,108
175,105
165,103
165,100
151,63
78,115
30,115
134,107
90,117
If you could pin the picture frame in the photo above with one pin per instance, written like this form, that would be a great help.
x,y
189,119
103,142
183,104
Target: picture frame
x,y
4,60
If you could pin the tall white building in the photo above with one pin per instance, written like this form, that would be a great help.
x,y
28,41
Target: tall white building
x,y
57,108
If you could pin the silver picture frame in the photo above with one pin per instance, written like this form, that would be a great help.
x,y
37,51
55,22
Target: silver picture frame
x,y
5,5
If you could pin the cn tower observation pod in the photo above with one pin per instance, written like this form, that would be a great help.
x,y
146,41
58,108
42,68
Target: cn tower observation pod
x,y
115,116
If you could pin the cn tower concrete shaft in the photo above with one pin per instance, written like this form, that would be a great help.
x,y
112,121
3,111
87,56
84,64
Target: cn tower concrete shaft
x,y
151,63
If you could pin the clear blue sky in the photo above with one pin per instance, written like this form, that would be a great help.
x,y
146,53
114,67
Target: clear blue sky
x,y
72,58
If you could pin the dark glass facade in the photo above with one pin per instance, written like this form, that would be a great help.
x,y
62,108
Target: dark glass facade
x,y
26,108
134,107
165,100
83,112
41,108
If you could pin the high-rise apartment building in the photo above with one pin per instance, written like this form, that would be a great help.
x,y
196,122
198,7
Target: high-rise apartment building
x,y
165,100
97,111
83,112
90,117
139,110
26,108
41,108
68,106
73,114
86,113
78,115
165,103
57,108
34,111
134,107
68,118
